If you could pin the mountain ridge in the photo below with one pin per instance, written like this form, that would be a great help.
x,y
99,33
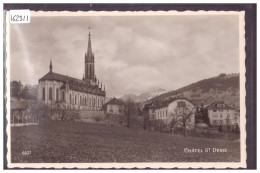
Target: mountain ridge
x,y
222,87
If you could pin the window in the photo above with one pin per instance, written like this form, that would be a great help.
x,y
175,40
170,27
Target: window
x,y
50,93
228,116
94,101
57,94
85,101
220,116
75,99
80,100
110,110
63,95
228,121
221,105
97,102
70,99
181,104
43,93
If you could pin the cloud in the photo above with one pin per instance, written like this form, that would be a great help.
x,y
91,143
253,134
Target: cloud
x,y
132,53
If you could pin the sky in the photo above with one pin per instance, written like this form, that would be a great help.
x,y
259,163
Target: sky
x,y
132,53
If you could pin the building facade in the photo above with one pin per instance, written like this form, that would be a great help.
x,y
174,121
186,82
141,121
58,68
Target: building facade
x,y
171,110
114,106
223,114
85,94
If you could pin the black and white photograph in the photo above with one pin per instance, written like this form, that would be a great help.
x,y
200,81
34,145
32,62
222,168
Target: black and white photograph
x,y
126,89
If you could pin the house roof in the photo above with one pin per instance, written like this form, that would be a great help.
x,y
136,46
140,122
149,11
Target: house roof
x,y
19,105
214,104
164,103
74,84
115,101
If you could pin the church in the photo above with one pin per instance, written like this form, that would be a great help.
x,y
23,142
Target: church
x,y
86,94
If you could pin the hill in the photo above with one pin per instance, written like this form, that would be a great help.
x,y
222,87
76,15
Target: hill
x,y
223,87
151,93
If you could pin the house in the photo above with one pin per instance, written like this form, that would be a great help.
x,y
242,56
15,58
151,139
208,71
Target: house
x,y
114,106
222,114
21,113
87,93
173,111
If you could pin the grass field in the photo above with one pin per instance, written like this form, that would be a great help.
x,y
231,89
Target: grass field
x,y
56,141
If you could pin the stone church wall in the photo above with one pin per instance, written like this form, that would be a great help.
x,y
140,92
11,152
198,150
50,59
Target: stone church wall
x,y
90,116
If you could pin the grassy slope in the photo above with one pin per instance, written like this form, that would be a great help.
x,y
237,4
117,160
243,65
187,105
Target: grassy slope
x,y
205,85
81,142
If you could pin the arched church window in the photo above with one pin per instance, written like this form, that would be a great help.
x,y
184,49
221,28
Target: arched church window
x,y
63,95
80,100
94,102
50,93
43,93
57,94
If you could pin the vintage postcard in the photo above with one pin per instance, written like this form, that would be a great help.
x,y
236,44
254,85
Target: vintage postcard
x,y
150,89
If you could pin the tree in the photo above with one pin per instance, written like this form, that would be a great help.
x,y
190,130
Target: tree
x,y
201,115
16,89
64,112
128,110
61,110
183,113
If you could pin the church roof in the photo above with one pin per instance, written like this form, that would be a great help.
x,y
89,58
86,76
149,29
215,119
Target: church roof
x,y
58,77
74,84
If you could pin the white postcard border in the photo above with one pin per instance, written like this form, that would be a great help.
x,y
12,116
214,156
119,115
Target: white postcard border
x,y
242,55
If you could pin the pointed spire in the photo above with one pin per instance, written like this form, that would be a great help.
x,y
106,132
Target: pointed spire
x,y
50,66
89,52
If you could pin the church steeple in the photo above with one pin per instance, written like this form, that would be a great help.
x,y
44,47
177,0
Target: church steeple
x,y
50,66
89,52
89,62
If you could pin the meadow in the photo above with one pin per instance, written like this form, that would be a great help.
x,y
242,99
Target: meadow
x,y
63,142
